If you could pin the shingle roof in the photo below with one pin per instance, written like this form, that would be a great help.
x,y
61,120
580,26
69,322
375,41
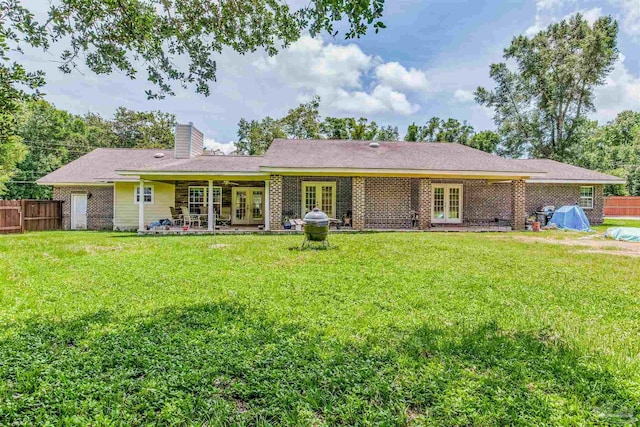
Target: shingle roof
x,y
557,171
101,164
318,154
209,163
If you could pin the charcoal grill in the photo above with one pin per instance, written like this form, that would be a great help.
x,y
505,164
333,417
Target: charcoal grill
x,y
316,228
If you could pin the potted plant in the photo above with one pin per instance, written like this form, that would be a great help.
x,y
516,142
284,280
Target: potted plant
x,y
286,223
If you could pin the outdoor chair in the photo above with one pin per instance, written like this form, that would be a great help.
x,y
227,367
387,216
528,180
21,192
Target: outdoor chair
x,y
176,218
189,218
225,216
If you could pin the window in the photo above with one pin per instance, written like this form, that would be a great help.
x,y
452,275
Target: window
x,y
321,195
586,197
198,200
148,195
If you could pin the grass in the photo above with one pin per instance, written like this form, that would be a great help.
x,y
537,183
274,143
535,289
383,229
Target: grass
x,y
386,329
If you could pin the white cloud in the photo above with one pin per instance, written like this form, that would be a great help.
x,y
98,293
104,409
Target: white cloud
x,y
382,99
347,79
212,144
394,75
630,17
464,96
550,4
620,92
542,21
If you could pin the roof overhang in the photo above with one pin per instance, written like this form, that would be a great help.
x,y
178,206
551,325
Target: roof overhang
x,y
416,173
76,184
577,181
195,175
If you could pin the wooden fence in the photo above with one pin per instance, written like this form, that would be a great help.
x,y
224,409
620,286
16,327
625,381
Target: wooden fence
x,y
622,206
18,216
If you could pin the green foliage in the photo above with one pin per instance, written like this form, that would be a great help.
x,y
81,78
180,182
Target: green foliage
x,y
52,138
303,122
388,133
177,40
255,137
392,329
541,102
452,130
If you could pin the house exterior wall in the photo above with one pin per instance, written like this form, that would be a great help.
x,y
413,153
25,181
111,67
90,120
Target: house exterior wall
x,y
387,203
126,210
99,205
538,195
292,195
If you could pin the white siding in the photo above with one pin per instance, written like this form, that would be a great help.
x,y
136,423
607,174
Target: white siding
x,y
126,211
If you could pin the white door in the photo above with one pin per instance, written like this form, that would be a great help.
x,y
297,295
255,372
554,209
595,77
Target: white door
x,y
446,203
248,205
78,211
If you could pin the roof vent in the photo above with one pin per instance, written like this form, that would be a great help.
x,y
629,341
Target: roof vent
x,y
158,155
374,144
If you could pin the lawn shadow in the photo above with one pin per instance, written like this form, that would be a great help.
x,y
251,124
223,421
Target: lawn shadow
x,y
222,364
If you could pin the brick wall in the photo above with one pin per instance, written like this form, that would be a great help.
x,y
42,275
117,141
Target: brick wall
x,y
518,204
388,203
99,206
358,194
539,195
275,202
486,203
292,194
423,197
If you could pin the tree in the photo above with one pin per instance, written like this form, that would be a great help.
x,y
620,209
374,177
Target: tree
x,y
541,102
303,122
487,141
138,129
388,133
413,133
176,40
334,128
255,137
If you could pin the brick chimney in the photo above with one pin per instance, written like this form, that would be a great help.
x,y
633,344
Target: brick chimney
x,y
188,142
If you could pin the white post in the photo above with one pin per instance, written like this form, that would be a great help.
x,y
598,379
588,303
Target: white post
x,y
210,216
267,219
141,206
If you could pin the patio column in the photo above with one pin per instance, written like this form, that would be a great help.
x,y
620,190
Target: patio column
x,y
275,202
210,224
424,204
518,201
267,205
141,206
357,202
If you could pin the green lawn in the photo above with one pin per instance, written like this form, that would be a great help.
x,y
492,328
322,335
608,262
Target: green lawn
x,y
383,329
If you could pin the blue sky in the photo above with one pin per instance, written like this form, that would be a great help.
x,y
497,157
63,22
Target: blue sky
x,y
427,62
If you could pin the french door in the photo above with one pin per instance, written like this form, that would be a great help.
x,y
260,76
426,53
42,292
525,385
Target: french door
x,y
248,205
321,195
446,203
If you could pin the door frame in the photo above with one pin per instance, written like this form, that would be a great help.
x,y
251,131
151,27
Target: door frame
x,y
318,184
249,218
446,219
74,196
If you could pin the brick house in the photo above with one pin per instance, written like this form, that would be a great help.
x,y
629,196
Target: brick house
x,y
378,185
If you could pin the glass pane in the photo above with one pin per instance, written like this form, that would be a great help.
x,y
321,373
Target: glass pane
x,y
241,205
438,202
197,199
327,200
217,195
147,194
310,198
454,203
586,191
256,203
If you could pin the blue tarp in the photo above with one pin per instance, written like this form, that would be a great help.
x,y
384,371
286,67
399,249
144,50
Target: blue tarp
x,y
570,218
628,234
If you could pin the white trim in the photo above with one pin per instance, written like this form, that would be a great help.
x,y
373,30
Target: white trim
x,y
593,195
446,219
140,205
574,181
356,171
114,207
135,191
210,215
267,205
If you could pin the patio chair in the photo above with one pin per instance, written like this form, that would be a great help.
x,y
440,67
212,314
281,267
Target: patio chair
x,y
176,218
225,216
189,218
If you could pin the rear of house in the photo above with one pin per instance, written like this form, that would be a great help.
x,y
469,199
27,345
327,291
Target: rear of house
x,y
381,185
